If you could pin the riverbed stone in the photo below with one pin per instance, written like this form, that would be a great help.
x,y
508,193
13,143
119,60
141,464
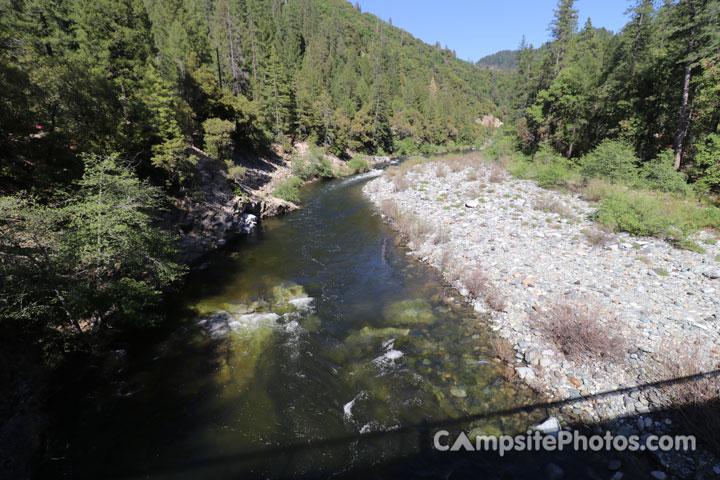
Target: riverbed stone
x,y
409,312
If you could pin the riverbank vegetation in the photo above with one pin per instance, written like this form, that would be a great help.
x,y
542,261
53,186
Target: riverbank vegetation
x,y
629,120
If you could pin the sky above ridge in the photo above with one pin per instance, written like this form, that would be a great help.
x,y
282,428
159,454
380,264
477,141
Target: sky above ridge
x,y
475,28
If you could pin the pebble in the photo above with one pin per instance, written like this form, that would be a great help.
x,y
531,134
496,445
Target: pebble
x,y
658,475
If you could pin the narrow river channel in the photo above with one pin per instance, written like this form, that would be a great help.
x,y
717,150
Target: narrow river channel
x,y
316,347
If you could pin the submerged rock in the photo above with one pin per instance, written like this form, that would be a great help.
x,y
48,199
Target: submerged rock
x,y
216,326
458,392
283,294
368,334
409,312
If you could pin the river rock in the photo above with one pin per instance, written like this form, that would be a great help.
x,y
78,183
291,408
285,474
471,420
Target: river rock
x,y
658,475
458,392
551,425
216,325
472,203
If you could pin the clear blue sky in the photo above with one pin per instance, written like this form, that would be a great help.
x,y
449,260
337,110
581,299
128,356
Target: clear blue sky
x,y
475,28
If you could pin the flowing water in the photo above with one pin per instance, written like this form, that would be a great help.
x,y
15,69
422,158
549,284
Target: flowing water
x,y
314,347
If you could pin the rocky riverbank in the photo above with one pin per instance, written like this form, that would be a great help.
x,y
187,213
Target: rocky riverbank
x,y
217,213
538,254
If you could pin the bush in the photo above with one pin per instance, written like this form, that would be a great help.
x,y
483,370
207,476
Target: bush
x,y
313,164
660,174
289,190
614,160
655,214
480,287
553,175
236,173
597,189
577,329
358,164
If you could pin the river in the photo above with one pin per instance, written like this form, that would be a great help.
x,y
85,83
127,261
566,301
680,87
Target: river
x,y
316,347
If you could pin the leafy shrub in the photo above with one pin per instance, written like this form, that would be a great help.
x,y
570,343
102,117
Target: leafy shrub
x,y
289,189
553,174
655,214
313,164
236,173
660,174
358,164
614,160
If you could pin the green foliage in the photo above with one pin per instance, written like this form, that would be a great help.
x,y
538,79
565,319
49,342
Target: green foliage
x,y
707,163
659,174
236,173
655,214
358,164
92,259
613,160
218,138
289,190
313,164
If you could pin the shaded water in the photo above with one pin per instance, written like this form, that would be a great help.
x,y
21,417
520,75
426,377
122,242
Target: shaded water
x,y
314,347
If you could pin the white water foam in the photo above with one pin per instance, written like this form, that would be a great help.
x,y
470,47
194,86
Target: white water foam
x,y
387,360
347,408
253,321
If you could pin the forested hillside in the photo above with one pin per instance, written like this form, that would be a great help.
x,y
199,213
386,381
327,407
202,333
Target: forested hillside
x,y
653,87
101,101
504,60
148,78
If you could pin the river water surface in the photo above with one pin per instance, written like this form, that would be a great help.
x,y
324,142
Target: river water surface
x,y
315,347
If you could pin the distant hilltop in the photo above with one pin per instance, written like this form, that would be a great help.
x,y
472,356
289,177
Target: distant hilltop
x,y
504,61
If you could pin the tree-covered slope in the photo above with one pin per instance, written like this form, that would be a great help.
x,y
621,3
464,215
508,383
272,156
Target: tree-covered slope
x,y
147,78
504,60
654,86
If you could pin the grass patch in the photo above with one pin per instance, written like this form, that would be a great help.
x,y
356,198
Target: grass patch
x,y
662,272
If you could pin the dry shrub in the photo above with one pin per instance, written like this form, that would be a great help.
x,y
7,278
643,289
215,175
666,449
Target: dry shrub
x,y
580,328
413,228
503,350
596,189
400,183
597,237
495,299
390,209
480,287
497,175
440,171
694,402
507,372
440,236
551,205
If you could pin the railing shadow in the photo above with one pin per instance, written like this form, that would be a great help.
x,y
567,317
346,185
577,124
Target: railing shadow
x,y
426,457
